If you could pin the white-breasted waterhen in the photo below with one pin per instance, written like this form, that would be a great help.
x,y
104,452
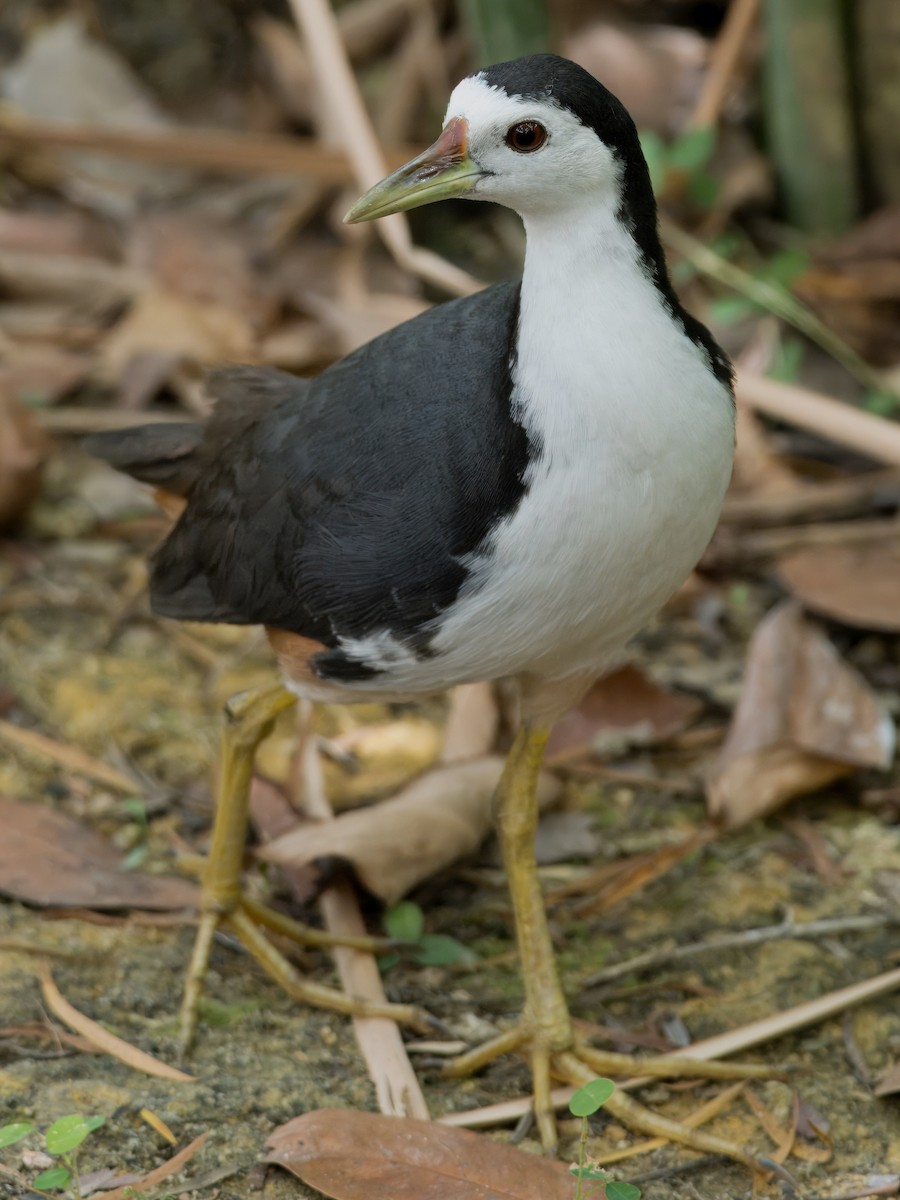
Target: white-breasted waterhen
x,y
506,487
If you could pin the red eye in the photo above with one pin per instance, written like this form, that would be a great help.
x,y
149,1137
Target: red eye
x,y
526,137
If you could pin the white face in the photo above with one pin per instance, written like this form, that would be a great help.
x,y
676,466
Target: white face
x,y
570,164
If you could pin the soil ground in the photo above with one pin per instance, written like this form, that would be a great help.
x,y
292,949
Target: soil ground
x,y
82,660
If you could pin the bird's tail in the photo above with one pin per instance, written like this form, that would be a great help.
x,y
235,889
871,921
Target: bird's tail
x,y
166,456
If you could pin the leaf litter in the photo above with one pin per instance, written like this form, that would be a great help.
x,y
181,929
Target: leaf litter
x,y
160,290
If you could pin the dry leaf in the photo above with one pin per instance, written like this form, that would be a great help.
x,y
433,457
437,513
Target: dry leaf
x,y
858,585
46,858
395,845
805,717
65,75
202,258
41,373
356,1156
627,706
162,322
23,448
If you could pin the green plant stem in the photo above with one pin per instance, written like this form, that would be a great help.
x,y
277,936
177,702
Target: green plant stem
x,y
774,299
582,1150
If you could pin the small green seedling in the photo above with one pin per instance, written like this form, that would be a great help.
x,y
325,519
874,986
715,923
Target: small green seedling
x,y
586,1101
405,922
62,1140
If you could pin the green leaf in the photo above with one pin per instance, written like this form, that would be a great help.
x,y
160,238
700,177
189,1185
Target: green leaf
x,y
728,309
787,360
622,1191
67,1133
439,950
693,149
588,1099
387,962
405,921
655,153
703,188
784,267
10,1134
94,1122
56,1177
883,404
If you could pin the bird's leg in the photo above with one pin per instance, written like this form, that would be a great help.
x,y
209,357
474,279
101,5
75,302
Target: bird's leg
x,y
249,719
546,1027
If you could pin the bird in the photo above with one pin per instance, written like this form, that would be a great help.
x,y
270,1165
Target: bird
x,y
506,487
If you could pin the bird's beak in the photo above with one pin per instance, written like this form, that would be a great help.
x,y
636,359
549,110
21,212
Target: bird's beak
x,y
442,171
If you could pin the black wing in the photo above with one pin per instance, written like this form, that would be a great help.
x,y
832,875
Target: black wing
x,y
347,505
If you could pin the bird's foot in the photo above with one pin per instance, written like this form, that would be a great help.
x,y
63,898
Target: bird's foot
x,y
249,718
557,1055
245,919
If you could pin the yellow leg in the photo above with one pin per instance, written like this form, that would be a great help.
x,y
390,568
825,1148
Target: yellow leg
x,y
249,719
546,1027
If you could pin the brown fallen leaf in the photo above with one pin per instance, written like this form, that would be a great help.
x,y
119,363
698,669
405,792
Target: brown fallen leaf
x,y
625,706
23,448
46,858
42,372
858,585
805,717
102,1038
355,1156
163,322
395,845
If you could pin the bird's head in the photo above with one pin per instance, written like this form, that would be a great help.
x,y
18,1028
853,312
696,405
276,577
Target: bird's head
x,y
537,134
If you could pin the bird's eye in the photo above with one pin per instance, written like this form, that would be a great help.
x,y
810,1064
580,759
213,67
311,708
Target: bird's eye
x,y
526,137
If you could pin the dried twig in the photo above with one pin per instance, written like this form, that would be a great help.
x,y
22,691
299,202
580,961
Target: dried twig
x,y
738,1040
396,1085
340,94
740,18
70,757
823,416
788,928
202,149
843,497
751,545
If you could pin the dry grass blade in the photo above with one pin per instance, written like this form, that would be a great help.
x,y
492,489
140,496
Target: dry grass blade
x,y
175,1164
720,1046
102,1039
70,757
740,18
693,1120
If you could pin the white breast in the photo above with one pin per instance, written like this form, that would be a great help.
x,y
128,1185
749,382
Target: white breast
x,y
636,439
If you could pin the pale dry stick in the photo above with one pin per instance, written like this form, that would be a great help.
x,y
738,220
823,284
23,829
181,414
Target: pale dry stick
x,y
202,149
788,928
730,550
396,1085
825,417
70,757
729,45
338,87
734,1042
843,497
